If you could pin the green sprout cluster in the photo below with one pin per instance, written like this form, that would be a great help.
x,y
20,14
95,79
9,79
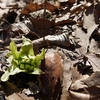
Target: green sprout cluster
x,y
23,60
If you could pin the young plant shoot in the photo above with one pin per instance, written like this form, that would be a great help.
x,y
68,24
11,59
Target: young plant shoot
x,y
23,60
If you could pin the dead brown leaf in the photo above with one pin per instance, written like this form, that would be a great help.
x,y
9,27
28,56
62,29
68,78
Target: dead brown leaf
x,y
31,7
42,26
42,23
53,69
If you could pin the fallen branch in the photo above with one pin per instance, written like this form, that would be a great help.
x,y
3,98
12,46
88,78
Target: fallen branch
x,y
61,40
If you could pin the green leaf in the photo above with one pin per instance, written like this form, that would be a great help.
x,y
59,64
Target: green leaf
x,y
37,71
39,57
27,47
10,58
13,49
10,71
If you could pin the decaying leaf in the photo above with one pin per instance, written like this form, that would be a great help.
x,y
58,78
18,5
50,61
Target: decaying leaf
x,y
75,74
94,61
78,84
66,77
53,69
93,85
82,39
93,80
90,18
42,26
30,8
42,23
14,93
20,27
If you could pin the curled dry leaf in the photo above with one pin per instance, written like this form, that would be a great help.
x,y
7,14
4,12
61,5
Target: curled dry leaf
x,y
78,84
53,69
79,96
93,80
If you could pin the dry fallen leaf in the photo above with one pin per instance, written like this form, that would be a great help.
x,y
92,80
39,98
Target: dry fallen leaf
x,y
90,18
78,96
3,12
66,77
53,69
32,7
40,24
94,61
78,84
93,80
14,93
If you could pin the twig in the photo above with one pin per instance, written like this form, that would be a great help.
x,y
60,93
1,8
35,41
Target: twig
x,y
45,8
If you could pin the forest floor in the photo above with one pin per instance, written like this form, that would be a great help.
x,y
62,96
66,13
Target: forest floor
x,y
65,40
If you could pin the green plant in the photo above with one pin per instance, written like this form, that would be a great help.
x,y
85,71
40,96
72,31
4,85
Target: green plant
x,y
23,60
